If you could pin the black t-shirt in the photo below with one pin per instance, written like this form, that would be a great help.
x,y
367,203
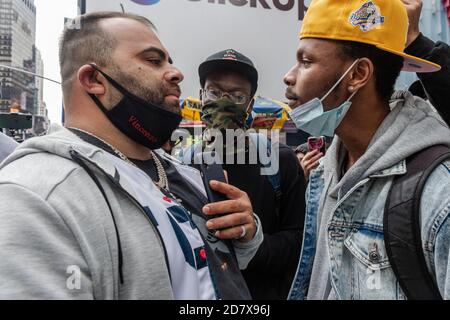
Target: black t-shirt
x,y
271,272
228,280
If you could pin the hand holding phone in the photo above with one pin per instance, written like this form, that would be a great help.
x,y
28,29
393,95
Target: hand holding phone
x,y
237,220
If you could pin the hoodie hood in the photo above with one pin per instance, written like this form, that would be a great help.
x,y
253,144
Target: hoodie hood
x,y
61,142
411,126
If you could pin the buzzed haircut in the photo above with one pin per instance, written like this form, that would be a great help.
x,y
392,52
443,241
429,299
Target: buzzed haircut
x,y
387,65
86,41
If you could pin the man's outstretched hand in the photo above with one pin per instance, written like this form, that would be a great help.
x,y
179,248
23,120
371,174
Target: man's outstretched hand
x,y
414,9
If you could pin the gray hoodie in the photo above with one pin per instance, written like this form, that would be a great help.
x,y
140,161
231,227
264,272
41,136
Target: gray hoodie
x,y
58,239
411,126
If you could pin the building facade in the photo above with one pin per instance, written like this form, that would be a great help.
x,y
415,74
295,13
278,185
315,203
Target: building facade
x,y
19,92
39,105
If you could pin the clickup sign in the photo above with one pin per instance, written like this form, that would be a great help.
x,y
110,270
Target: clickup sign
x,y
266,31
282,5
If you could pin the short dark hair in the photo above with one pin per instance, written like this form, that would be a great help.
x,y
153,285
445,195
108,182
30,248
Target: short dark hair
x,y
387,65
84,41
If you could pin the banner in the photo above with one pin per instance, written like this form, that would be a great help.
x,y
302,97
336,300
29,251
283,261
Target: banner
x,y
264,30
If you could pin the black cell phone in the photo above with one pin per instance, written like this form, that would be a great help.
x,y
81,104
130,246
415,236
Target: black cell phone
x,y
211,172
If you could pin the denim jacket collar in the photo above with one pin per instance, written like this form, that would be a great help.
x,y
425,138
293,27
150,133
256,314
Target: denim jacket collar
x,y
395,170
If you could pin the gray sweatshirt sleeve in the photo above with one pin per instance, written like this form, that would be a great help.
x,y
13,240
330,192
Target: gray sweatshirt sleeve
x,y
40,258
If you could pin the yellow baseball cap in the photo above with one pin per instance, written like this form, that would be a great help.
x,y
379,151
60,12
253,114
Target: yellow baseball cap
x,y
382,23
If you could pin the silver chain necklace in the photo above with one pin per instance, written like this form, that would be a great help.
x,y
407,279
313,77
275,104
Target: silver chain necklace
x,y
163,182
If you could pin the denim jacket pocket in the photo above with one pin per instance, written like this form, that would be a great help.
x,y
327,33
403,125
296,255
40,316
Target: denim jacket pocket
x,y
366,262
367,245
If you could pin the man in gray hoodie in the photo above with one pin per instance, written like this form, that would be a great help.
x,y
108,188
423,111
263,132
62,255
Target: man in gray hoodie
x,y
94,210
349,57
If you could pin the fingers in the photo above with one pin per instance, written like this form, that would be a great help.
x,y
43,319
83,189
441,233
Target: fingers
x,y
236,233
229,221
311,154
413,5
312,166
412,2
228,190
237,226
225,207
315,157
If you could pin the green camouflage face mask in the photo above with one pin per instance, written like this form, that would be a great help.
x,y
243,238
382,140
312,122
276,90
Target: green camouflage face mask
x,y
224,114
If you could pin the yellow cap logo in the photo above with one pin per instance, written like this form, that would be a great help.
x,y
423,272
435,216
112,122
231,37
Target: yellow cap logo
x,y
367,17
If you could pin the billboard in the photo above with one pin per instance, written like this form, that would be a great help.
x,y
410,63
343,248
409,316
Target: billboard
x,y
264,30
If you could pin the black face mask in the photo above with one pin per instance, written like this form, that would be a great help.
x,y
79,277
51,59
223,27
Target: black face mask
x,y
144,122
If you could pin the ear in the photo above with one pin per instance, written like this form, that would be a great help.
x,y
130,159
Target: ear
x,y
91,80
361,75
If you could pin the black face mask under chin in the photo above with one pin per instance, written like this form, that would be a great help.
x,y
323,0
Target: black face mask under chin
x,y
144,122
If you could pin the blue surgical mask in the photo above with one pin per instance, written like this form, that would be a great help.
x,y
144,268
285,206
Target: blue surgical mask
x,y
313,119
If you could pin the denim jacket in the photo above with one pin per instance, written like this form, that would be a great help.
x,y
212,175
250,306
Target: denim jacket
x,y
360,268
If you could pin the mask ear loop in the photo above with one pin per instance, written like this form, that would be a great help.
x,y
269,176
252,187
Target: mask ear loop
x,y
248,109
351,97
250,104
340,80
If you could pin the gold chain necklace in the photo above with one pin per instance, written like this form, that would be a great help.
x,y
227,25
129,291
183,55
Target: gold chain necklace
x,y
163,182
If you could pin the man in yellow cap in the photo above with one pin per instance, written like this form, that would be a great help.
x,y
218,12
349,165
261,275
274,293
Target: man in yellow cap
x,y
377,223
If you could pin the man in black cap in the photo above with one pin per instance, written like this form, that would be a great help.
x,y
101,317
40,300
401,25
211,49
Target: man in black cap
x,y
229,82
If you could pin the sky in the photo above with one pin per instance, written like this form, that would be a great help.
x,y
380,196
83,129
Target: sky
x,y
49,26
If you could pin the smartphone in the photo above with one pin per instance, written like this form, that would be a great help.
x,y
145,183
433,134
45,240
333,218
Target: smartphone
x,y
211,172
317,143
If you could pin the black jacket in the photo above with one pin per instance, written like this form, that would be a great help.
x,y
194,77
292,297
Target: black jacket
x,y
436,85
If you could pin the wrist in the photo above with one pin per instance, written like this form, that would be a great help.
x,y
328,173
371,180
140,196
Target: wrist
x,y
412,36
